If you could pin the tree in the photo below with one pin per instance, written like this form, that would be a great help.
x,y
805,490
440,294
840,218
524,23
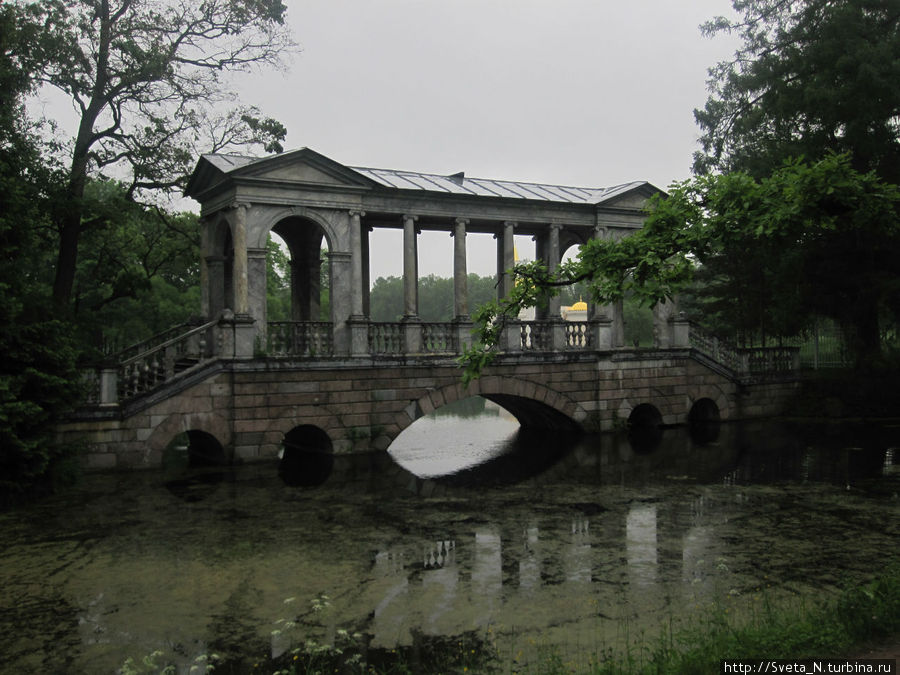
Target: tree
x,y
799,211
809,78
143,76
38,379
435,297
139,269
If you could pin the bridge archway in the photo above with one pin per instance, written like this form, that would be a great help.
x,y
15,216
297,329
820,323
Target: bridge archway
x,y
305,237
307,456
704,421
532,404
208,437
714,396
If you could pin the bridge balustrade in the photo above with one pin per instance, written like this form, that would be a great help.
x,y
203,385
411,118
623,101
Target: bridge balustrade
x,y
578,335
300,338
717,350
147,370
136,374
386,338
439,338
536,336
768,360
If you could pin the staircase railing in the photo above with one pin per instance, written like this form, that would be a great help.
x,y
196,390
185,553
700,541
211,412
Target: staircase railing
x,y
746,362
139,374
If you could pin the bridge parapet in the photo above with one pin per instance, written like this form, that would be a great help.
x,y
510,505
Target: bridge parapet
x,y
137,373
746,363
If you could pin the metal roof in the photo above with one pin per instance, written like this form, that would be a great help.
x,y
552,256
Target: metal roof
x,y
457,183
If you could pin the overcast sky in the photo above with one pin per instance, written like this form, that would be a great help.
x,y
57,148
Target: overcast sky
x,y
590,93
575,92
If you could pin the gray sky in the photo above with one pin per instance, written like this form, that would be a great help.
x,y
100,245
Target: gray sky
x,y
574,92
589,93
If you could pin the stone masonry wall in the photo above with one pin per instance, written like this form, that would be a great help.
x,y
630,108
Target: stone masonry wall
x,y
250,407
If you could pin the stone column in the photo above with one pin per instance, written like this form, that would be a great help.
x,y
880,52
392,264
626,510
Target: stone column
x,y
340,263
356,279
460,275
541,244
463,326
506,258
412,332
357,322
601,314
663,313
553,257
367,274
239,275
410,269
558,330
256,291
244,341
618,323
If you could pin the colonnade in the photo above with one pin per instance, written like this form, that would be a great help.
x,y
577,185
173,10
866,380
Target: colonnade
x,y
233,267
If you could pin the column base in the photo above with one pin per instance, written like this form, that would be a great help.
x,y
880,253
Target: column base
x,y
359,335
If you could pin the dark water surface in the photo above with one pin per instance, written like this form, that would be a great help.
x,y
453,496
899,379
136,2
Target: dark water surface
x,y
535,540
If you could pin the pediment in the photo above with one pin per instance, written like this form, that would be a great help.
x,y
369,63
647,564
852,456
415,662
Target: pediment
x,y
303,167
631,197
300,167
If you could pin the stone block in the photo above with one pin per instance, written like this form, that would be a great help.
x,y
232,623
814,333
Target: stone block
x,y
437,399
384,395
100,460
246,453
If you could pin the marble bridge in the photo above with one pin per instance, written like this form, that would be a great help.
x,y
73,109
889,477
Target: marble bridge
x,y
242,387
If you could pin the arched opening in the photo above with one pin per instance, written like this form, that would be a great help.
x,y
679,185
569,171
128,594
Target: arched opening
x,y
307,457
187,460
296,262
486,439
704,421
455,437
574,300
645,428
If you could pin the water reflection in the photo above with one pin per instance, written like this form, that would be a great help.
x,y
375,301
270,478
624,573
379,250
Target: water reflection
x,y
561,538
449,441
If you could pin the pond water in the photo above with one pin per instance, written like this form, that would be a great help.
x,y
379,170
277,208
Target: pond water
x,y
532,540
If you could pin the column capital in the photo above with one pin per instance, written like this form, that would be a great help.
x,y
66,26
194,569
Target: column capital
x,y
556,226
356,213
409,216
600,231
510,223
462,221
238,204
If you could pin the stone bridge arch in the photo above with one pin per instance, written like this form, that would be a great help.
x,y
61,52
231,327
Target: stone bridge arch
x,y
176,423
531,403
715,393
315,416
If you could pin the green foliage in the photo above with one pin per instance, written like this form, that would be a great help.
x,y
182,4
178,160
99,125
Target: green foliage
x,y
278,282
824,239
38,380
809,78
139,269
144,79
435,297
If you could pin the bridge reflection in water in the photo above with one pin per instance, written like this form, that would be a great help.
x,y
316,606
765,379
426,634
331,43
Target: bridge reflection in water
x,y
592,534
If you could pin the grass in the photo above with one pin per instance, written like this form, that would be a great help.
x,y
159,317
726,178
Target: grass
x,y
857,616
